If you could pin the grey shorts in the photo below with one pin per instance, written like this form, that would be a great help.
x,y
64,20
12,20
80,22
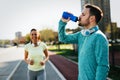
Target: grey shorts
x,y
37,75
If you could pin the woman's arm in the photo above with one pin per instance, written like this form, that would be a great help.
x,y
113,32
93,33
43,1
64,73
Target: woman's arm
x,y
31,62
46,57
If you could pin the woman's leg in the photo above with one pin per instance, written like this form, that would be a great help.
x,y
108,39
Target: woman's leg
x,y
32,75
41,75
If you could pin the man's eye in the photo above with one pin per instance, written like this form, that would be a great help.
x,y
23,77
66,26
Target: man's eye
x,y
83,14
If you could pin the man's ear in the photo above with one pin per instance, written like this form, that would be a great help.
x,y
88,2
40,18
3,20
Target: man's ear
x,y
92,18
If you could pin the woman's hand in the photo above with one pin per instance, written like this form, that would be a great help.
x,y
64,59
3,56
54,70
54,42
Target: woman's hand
x,y
31,62
42,63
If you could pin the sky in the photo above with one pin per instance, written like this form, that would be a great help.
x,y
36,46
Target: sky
x,y
23,15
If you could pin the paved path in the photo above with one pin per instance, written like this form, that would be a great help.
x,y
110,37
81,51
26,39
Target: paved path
x,y
51,72
12,66
9,58
67,67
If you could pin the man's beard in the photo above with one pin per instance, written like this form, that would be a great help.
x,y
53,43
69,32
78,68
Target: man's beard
x,y
79,24
84,24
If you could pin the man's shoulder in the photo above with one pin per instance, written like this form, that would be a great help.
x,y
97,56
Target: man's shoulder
x,y
100,35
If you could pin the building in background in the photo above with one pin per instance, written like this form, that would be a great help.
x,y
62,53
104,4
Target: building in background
x,y
105,6
18,35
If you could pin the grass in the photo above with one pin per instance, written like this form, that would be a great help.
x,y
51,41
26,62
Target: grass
x,y
70,54
67,51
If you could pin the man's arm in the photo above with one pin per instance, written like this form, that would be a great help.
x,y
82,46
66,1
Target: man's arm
x,y
102,58
66,38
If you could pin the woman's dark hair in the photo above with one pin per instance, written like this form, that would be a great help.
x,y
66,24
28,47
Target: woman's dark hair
x,y
33,30
96,11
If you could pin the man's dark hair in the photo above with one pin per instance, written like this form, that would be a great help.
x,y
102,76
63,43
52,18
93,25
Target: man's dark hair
x,y
96,11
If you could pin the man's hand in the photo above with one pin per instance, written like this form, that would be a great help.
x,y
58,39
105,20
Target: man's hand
x,y
65,20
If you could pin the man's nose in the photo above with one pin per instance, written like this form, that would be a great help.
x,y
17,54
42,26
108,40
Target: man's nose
x,y
79,18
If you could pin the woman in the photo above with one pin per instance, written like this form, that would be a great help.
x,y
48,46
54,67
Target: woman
x,y
36,55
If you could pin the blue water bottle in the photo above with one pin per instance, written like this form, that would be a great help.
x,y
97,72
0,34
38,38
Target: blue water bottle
x,y
66,15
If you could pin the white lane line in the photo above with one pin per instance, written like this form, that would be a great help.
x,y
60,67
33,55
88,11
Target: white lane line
x,y
57,71
12,73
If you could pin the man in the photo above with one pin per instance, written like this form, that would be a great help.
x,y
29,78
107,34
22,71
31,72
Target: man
x,y
93,48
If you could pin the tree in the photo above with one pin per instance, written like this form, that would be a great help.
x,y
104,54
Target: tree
x,y
48,35
27,38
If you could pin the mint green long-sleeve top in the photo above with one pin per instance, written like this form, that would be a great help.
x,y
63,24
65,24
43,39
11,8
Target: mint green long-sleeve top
x,y
93,51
